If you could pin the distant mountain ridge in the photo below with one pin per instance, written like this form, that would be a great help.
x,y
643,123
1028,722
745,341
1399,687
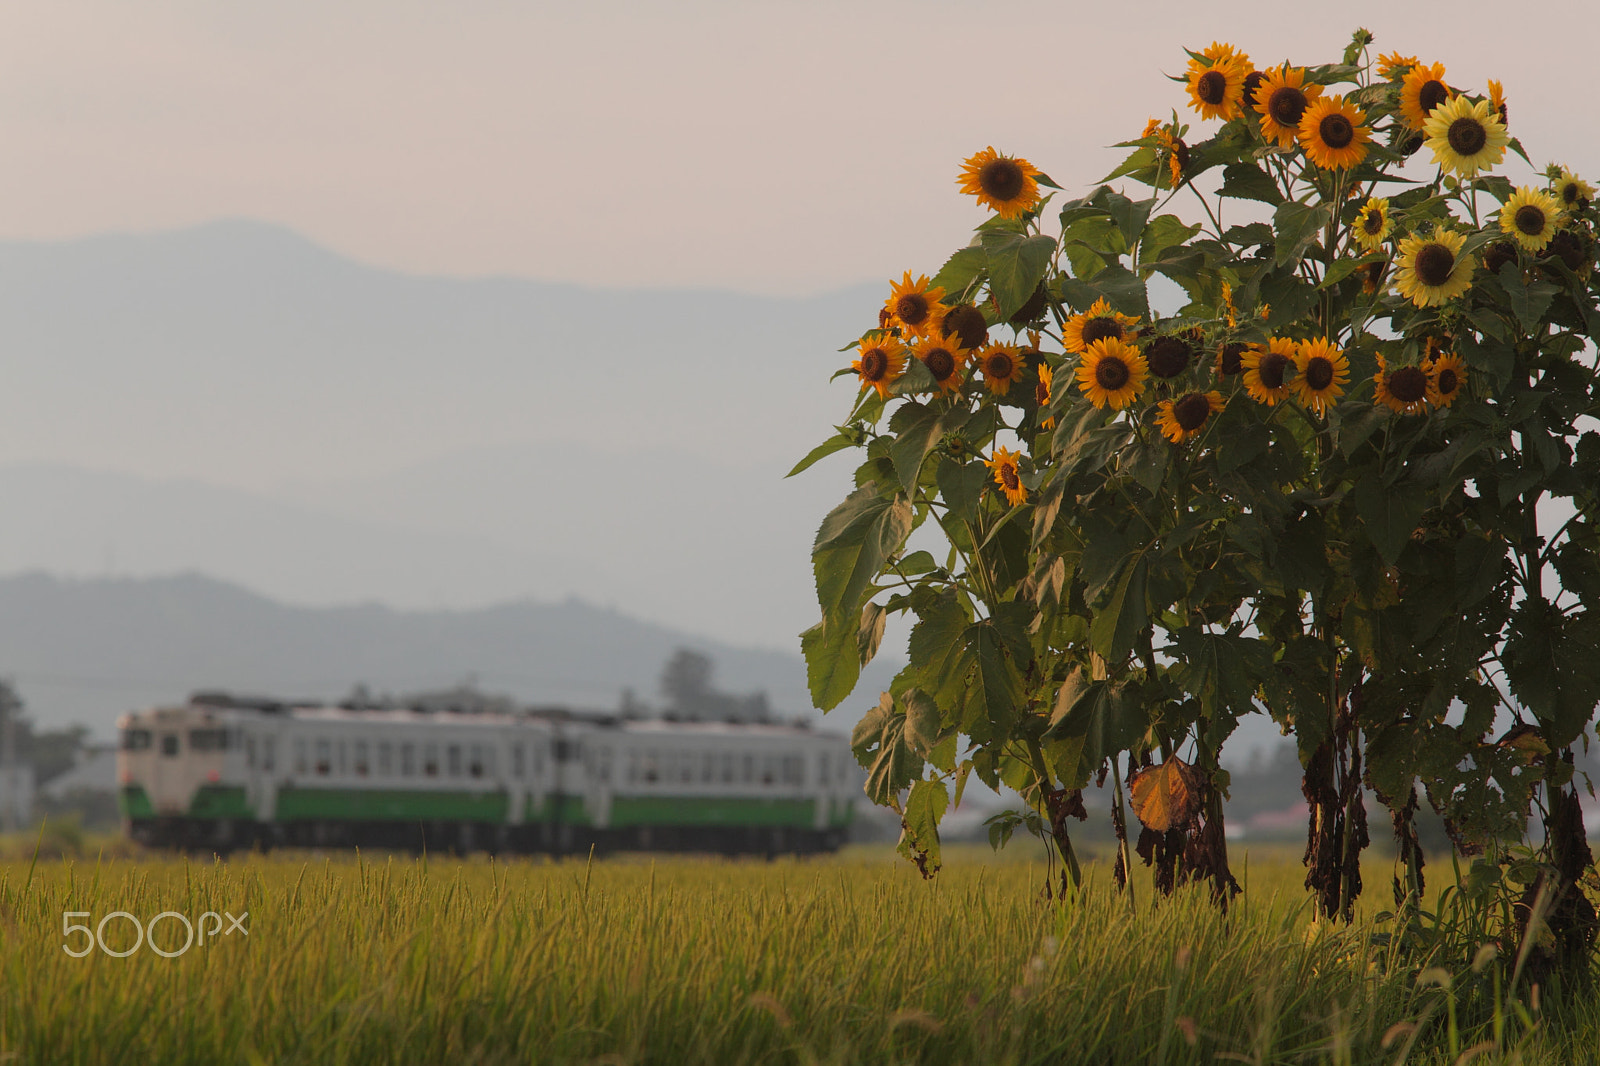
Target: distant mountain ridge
x,y
86,650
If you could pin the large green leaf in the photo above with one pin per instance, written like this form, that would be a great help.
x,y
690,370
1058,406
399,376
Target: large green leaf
x,y
935,648
1247,181
1117,624
1104,714
1530,299
961,486
1390,515
960,271
851,547
919,825
879,742
1551,664
1296,226
1121,287
927,426
835,443
1017,263
994,683
833,661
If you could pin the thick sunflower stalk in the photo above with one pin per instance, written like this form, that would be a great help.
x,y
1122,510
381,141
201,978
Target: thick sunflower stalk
x,y
1312,491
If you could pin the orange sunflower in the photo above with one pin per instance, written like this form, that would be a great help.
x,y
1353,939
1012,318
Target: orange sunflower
x,y
1001,365
1111,372
1265,368
1404,391
1422,90
1395,65
1186,416
944,357
1446,375
1281,100
1216,85
1324,371
1333,133
1097,323
914,307
1008,474
1002,182
881,364
1041,392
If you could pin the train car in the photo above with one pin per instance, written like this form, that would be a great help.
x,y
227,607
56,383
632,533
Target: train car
x,y
221,773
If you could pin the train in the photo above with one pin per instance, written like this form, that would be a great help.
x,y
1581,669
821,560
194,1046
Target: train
x,y
221,773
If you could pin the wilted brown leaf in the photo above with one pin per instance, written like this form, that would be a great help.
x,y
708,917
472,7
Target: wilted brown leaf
x,y
1167,795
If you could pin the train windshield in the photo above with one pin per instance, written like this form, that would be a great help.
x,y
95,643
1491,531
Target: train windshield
x,y
135,739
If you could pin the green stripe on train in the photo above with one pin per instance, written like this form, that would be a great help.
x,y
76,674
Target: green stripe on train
x,y
134,802
562,807
390,805
711,810
220,801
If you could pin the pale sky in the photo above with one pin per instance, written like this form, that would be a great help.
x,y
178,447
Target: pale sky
x,y
764,147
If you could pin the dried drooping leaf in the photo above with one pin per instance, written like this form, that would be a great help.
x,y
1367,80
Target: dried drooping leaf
x,y
1166,796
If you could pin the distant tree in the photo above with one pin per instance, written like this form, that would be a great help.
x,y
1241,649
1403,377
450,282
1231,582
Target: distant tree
x,y
686,683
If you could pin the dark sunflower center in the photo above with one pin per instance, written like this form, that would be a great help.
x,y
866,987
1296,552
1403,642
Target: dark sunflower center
x,y
1319,372
1412,146
1286,105
1530,220
1371,274
1111,373
1467,136
1569,193
1041,392
1408,384
874,364
1372,224
1252,82
1431,95
966,322
1212,87
999,365
1569,248
940,363
912,309
1191,411
1008,474
1099,329
1002,179
1233,358
1448,382
1498,255
1271,369
1434,264
1336,131
1167,356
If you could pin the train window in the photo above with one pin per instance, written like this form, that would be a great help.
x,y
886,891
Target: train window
x,y
650,768
727,768
250,752
208,739
430,760
708,768
136,739
516,760
408,760
452,754
324,756
169,744
538,762
793,770
475,764
300,755
767,775
633,767
342,764
749,768
361,757
268,750
385,758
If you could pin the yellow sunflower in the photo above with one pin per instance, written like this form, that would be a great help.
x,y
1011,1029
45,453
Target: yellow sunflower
x,y
1008,475
1573,191
1446,375
1324,371
1373,224
1332,133
1001,365
913,306
1001,182
1111,372
1216,86
944,357
1395,65
1097,323
965,323
1186,416
1168,357
1432,269
1422,90
1404,391
1530,217
1465,137
1041,392
1264,370
1281,100
881,363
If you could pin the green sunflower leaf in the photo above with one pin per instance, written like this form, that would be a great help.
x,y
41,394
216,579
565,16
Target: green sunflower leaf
x,y
1017,263
852,545
1247,181
960,271
838,442
1105,715
919,826
1297,227
833,664
1390,514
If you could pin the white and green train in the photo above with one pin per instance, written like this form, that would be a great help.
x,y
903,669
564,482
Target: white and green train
x,y
221,773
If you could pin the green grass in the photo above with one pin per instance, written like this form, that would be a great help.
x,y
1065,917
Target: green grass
x,y
634,960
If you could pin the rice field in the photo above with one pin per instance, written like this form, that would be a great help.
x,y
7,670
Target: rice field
x,y
342,958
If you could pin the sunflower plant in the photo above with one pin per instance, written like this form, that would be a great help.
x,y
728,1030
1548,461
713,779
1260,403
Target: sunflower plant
x,y
1317,488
